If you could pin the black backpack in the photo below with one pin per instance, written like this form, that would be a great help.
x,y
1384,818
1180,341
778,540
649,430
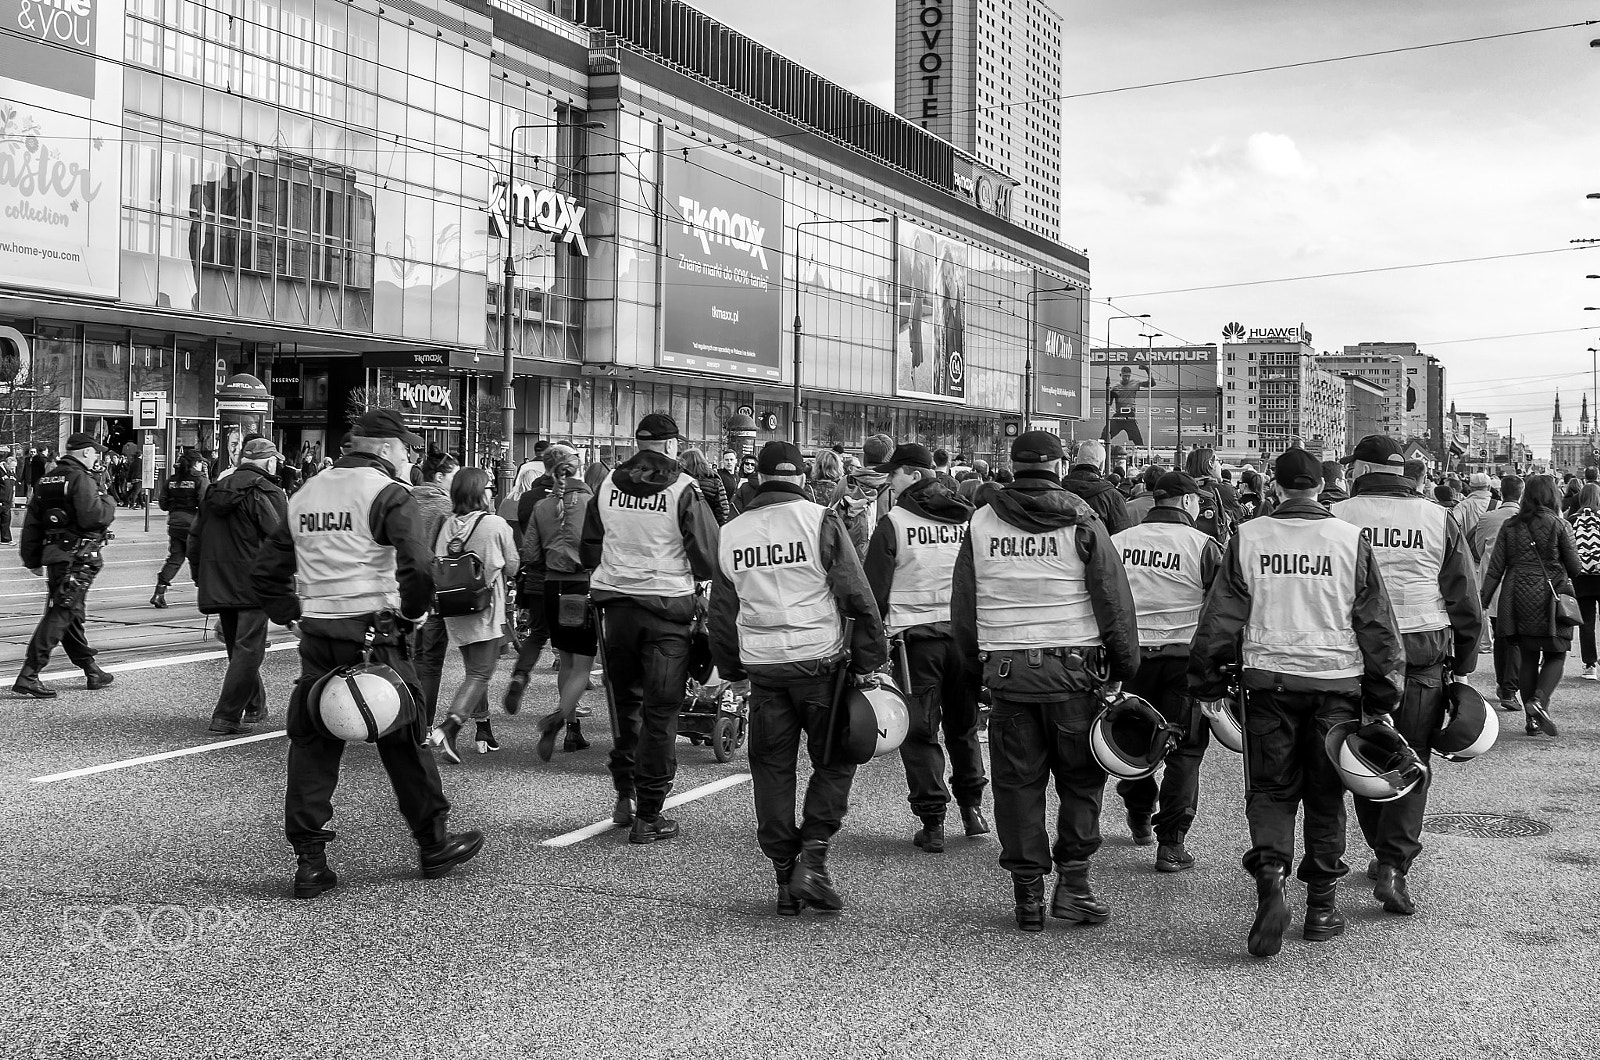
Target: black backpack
x,y
1214,519
459,587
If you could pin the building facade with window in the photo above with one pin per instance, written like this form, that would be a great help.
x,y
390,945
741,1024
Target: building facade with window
x,y
325,194
1276,395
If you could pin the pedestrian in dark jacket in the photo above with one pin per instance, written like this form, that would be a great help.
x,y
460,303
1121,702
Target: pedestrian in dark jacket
x,y
430,642
551,549
862,498
1098,492
695,464
748,483
236,516
727,474
1534,556
180,496
1041,604
8,494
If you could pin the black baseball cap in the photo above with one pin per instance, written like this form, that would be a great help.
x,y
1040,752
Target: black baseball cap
x,y
1175,484
1297,469
781,458
82,441
656,427
384,423
908,454
1379,449
1036,447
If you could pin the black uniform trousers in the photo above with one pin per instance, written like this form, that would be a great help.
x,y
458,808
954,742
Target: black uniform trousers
x,y
244,632
1289,768
5,521
1029,745
647,673
178,524
430,643
314,758
1506,661
1162,681
1394,829
63,620
943,694
779,714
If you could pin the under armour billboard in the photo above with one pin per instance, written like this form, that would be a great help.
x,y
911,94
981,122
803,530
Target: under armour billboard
x,y
1143,396
724,265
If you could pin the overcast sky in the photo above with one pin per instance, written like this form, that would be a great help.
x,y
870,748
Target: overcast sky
x,y
1459,152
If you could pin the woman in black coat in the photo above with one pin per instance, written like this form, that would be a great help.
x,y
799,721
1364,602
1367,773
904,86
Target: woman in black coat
x,y
1534,553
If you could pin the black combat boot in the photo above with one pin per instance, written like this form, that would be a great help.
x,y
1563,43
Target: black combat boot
x,y
622,812
313,876
930,836
97,678
1272,913
1073,900
788,904
1323,919
29,685
1173,857
456,849
574,740
811,880
973,821
158,598
1139,824
1029,893
1391,890
652,828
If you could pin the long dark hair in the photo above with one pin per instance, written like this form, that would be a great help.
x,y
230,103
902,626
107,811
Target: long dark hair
x,y
437,464
1539,494
466,491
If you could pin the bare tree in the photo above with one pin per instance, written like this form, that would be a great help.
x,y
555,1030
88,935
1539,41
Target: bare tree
x,y
365,398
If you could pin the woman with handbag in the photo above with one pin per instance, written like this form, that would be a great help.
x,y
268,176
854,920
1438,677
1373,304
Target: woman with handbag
x,y
1536,559
552,542
474,607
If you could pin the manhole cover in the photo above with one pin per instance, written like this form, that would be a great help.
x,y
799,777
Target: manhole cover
x,y
1484,825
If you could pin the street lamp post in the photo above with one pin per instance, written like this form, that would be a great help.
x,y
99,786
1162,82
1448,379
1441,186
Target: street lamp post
x,y
506,469
795,412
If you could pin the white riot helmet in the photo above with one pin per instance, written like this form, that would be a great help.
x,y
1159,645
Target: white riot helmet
x,y
877,720
1374,760
361,703
1227,722
1471,726
1129,737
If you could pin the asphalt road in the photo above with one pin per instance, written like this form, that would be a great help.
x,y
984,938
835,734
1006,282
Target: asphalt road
x,y
148,913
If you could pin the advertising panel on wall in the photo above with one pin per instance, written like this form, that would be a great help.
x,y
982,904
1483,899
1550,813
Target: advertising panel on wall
x,y
1058,357
724,267
61,144
1142,396
1418,416
931,313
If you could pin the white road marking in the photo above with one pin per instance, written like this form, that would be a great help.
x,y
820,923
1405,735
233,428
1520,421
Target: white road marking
x,y
589,831
163,756
170,660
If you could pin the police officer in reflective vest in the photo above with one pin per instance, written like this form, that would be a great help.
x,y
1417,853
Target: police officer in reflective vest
x,y
911,560
1041,601
1301,607
1170,564
649,536
66,525
180,498
354,546
1427,568
787,576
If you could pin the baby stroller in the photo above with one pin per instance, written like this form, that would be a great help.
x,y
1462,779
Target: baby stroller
x,y
712,713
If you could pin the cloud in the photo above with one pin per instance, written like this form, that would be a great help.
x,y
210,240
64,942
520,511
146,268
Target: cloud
x,y
1229,168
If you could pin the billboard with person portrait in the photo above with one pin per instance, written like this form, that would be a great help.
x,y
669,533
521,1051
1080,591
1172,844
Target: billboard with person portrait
x,y
1149,397
930,317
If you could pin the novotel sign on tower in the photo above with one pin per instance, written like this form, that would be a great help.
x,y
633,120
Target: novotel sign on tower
x,y
541,209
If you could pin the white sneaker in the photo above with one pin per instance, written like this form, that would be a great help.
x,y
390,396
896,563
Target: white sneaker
x,y
1589,674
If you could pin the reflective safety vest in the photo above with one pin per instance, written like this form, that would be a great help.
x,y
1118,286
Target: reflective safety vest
x,y
1032,589
1407,537
1301,576
773,557
924,569
340,569
1164,561
643,553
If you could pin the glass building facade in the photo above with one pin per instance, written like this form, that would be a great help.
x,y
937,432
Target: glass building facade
x,y
326,194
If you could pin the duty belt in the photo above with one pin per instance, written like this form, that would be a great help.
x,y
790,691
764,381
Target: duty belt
x,y
1087,655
